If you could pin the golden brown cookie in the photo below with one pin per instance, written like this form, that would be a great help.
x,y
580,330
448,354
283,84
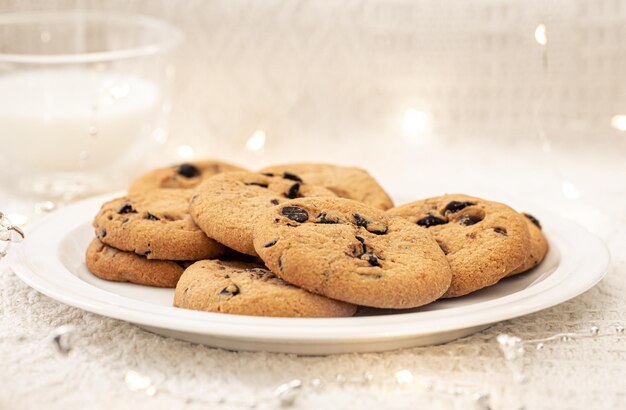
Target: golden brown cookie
x,y
538,245
187,175
349,251
228,205
250,289
345,182
155,224
109,263
483,240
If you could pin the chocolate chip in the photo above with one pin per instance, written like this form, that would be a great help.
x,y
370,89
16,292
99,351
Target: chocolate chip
x,y
293,177
322,218
274,202
267,174
188,171
126,209
295,213
103,233
230,290
431,220
292,192
456,206
375,231
468,220
533,220
262,185
257,274
360,239
270,243
151,217
371,258
501,231
367,224
361,221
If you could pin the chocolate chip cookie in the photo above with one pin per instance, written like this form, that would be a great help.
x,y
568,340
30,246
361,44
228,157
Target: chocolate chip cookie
x,y
109,263
538,245
228,205
155,224
345,182
349,251
483,240
186,175
250,289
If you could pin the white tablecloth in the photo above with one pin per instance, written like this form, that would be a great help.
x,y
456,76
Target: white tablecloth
x,y
586,373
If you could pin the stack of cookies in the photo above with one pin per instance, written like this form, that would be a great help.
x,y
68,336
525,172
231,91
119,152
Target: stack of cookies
x,y
304,240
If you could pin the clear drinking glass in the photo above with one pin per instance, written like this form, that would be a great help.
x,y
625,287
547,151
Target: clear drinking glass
x,y
81,96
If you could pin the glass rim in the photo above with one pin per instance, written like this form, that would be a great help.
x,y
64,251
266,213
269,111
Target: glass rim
x,y
174,37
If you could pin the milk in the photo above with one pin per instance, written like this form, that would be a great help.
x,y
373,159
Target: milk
x,y
72,120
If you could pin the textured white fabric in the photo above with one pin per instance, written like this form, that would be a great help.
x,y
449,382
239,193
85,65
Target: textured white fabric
x,y
578,374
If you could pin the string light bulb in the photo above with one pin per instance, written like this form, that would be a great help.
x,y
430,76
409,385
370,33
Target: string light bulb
x,y
185,151
415,125
541,35
256,142
619,122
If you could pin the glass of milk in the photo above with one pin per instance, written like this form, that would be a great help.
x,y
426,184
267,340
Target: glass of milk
x,y
84,98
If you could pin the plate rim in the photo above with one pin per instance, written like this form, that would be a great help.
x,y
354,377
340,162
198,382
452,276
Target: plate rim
x,y
321,330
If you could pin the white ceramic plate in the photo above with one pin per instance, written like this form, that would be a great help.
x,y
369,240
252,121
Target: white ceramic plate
x,y
51,260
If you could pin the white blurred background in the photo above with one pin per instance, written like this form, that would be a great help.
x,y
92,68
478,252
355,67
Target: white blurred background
x,y
490,97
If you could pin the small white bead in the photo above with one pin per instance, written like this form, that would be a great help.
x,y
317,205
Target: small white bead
x,y
44,206
62,338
